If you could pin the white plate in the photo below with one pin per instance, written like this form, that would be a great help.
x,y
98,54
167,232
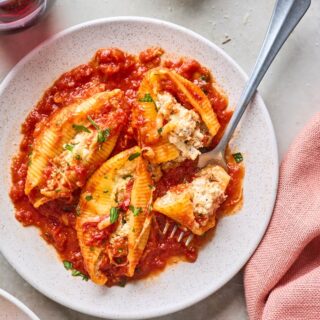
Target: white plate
x,y
12,308
236,237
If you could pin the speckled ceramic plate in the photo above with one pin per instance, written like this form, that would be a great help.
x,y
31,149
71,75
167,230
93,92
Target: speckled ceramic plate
x,y
236,237
13,309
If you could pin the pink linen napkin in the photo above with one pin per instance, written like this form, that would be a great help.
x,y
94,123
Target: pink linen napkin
x,y
282,279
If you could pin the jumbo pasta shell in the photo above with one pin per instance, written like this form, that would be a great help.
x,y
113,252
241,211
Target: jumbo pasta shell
x,y
139,224
56,134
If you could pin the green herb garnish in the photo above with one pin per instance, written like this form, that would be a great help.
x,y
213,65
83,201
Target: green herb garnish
x,y
126,176
58,190
114,214
136,211
204,77
105,191
77,273
238,157
93,123
103,135
122,283
77,157
147,98
133,156
80,128
88,197
68,147
160,130
67,264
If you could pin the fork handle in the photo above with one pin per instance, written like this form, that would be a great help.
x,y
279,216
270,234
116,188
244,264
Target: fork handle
x,y
286,15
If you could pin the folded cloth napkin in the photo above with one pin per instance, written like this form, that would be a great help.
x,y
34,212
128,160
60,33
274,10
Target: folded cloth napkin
x,y
282,279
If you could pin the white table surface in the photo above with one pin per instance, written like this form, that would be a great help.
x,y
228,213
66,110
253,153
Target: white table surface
x,y
291,91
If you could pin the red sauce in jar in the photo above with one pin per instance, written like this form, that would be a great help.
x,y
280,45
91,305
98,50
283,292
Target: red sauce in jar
x,y
110,69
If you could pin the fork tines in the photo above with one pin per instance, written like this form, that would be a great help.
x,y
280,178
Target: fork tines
x,y
174,231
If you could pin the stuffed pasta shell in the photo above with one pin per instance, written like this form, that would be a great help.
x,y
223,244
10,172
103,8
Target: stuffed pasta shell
x,y
194,205
72,144
114,216
173,116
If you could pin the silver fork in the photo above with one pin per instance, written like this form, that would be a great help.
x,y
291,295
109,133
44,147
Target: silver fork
x,y
286,15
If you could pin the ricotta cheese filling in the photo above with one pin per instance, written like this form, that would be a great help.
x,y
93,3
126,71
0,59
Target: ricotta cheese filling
x,y
207,194
185,130
76,152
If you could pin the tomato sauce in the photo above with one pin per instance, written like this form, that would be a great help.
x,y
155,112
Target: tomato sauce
x,y
110,69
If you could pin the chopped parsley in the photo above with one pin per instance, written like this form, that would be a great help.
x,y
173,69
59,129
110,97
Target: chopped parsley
x,y
133,156
147,98
105,191
151,187
77,157
114,214
160,130
238,157
68,147
136,211
88,197
80,128
126,176
58,190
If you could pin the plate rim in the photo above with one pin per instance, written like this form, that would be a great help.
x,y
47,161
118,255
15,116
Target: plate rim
x,y
182,305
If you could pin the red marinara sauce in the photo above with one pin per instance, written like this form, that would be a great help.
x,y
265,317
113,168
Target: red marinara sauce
x,y
110,69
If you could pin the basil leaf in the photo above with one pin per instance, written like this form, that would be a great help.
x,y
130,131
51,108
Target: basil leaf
x,y
127,176
80,128
114,214
68,147
93,123
89,197
147,98
103,135
136,211
133,156
238,157
67,264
